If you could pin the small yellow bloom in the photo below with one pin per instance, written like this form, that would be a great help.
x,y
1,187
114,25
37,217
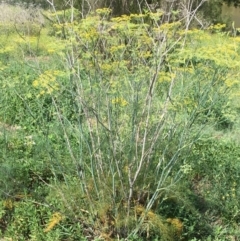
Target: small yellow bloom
x,y
47,81
51,50
120,101
35,83
55,219
8,204
103,11
177,224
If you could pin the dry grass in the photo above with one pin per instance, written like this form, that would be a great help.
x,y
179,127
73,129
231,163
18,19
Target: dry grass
x,y
20,15
4,126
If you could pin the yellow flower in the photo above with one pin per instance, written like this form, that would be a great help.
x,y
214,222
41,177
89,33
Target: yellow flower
x,y
35,83
51,50
47,81
8,204
166,76
55,219
177,224
120,101
103,11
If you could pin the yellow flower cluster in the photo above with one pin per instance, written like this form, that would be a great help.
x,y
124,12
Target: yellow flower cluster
x,y
117,48
120,101
47,81
106,67
166,76
217,27
170,26
123,18
7,49
137,16
8,204
232,80
55,219
103,11
155,16
155,221
177,225
140,210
